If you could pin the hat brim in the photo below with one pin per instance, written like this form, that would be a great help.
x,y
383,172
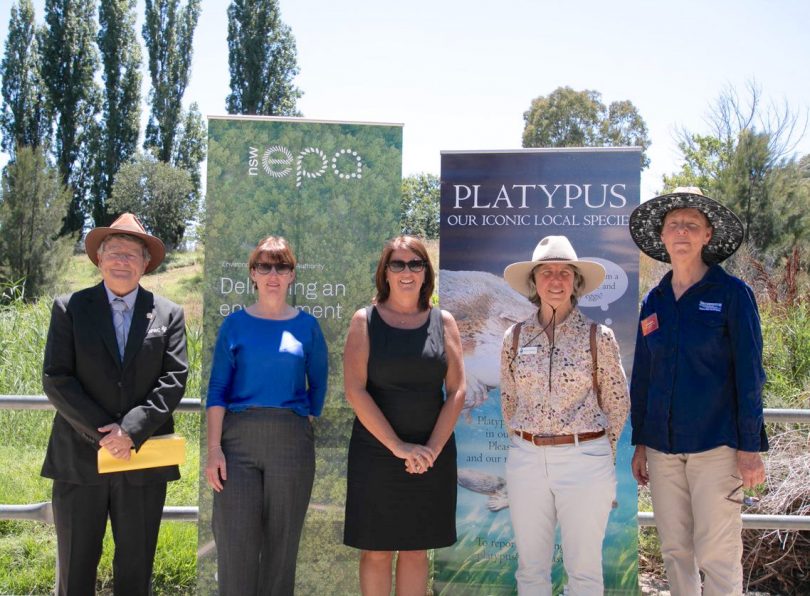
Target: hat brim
x,y
648,218
94,238
517,275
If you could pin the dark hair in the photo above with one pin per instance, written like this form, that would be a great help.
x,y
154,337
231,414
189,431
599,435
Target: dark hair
x,y
416,246
273,249
579,281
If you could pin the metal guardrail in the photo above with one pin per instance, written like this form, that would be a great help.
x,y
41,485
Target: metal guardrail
x,y
40,402
43,512
750,521
192,404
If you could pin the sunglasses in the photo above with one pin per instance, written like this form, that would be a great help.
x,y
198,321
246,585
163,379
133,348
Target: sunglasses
x,y
746,500
279,268
397,266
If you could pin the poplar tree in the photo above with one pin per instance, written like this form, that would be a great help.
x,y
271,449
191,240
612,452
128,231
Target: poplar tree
x,y
262,59
69,64
191,148
168,32
24,119
117,140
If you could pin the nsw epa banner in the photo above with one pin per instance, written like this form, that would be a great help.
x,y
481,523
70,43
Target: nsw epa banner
x,y
332,189
495,207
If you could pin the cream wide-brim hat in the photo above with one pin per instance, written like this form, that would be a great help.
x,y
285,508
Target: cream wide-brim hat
x,y
126,224
554,250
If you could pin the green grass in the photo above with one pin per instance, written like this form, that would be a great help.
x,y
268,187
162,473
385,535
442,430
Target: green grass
x,y
786,354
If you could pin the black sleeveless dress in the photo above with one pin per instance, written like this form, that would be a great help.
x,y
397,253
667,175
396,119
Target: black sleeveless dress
x,y
386,507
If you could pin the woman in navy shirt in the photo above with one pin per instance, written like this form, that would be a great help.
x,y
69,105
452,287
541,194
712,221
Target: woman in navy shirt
x,y
696,390
268,380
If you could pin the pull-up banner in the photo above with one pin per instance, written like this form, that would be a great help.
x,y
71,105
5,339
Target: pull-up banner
x,y
333,190
495,208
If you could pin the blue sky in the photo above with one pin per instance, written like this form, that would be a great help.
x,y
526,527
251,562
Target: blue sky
x,y
459,74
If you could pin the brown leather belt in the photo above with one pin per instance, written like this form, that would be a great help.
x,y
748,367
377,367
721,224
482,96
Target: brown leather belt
x,y
545,440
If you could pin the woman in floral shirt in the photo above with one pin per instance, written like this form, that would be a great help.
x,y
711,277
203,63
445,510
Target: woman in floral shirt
x,y
563,419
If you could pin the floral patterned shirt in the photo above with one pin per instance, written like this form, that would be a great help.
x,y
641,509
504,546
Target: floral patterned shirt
x,y
548,389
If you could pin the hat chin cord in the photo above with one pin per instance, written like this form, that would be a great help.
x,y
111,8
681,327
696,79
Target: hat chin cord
x,y
553,324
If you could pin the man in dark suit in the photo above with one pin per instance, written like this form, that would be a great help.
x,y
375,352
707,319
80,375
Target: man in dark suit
x,y
115,368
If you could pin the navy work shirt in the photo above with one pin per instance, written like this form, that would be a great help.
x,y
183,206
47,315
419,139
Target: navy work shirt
x,y
697,375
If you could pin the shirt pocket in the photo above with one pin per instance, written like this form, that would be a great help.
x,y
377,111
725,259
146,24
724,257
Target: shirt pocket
x,y
710,323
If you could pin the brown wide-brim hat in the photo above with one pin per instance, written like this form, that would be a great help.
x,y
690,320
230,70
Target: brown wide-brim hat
x,y
126,224
647,220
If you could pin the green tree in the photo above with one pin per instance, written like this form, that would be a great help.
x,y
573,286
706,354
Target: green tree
x,y
568,118
69,64
420,209
746,162
168,33
190,149
32,206
262,59
24,118
117,140
160,194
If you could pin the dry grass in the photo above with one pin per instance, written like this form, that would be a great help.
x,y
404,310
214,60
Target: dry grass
x,y
777,560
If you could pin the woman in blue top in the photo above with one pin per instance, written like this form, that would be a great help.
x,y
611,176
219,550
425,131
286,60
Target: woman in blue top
x,y
268,380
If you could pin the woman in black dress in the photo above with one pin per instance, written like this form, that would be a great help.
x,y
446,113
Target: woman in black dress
x,y
402,456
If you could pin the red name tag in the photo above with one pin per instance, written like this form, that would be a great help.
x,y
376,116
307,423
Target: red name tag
x,y
649,324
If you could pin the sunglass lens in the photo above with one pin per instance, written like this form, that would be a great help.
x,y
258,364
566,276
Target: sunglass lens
x,y
396,266
266,268
416,265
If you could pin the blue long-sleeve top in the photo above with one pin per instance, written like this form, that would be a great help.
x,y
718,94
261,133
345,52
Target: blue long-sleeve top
x,y
265,363
697,375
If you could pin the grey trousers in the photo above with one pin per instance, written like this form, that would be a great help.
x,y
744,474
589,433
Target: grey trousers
x,y
259,514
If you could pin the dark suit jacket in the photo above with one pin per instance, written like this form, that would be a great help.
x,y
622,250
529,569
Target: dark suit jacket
x,y
88,385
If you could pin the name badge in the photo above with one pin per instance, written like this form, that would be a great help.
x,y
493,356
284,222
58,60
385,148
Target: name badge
x,y
649,324
710,306
527,350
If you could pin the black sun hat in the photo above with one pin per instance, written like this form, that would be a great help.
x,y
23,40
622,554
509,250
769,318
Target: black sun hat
x,y
648,218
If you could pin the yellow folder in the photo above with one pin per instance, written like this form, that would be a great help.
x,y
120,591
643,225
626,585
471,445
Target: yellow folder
x,y
163,450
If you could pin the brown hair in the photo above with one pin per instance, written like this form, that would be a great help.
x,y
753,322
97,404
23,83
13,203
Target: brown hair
x,y
416,246
273,249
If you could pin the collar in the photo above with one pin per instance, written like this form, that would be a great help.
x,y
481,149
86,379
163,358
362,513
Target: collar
x,y
715,274
128,298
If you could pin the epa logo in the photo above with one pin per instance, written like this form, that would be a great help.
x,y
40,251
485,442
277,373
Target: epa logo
x,y
310,163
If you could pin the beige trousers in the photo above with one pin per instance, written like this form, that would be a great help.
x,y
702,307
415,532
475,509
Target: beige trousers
x,y
699,528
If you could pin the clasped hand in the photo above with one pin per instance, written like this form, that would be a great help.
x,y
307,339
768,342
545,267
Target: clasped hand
x,y
418,458
116,441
